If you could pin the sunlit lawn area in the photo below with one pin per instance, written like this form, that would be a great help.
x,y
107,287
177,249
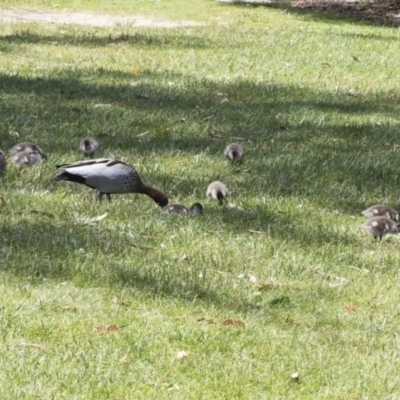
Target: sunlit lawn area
x,y
132,306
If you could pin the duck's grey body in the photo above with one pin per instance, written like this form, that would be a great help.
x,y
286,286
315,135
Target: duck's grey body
x,y
196,208
382,211
88,145
234,152
217,191
3,163
26,157
380,226
109,176
28,147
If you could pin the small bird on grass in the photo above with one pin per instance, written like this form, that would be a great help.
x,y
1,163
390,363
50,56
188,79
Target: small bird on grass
x,y
109,176
381,226
30,148
88,146
234,152
196,208
26,158
217,191
380,210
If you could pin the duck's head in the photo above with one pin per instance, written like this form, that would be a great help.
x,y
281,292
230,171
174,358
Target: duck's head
x,y
157,195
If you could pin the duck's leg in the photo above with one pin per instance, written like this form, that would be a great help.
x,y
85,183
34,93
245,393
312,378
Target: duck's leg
x,y
108,197
100,196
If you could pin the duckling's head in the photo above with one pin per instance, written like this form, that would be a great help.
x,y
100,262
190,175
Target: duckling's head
x,y
36,152
196,208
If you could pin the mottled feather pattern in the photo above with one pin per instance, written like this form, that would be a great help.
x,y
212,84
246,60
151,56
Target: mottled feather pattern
x,y
383,211
380,226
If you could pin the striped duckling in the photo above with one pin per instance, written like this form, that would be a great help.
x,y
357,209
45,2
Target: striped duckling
x,y
26,158
27,147
382,211
88,145
234,152
380,226
109,176
196,208
3,163
217,191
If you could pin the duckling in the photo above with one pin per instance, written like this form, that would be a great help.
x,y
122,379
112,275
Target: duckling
x,y
88,145
234,152
218,191
196,208
3,163
27,146
25,158
380,226
383,211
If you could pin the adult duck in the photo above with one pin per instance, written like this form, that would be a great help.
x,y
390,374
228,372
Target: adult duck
x,y
109,176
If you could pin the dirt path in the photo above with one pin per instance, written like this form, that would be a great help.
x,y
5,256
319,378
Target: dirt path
x,y
13,15
375,11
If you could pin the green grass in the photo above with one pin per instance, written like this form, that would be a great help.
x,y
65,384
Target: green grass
x,y
324,132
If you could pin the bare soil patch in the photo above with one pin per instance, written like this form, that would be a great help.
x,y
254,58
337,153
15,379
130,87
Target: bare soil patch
x,y
13,15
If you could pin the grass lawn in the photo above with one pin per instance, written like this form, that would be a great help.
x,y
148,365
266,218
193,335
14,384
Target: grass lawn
x,y
316,99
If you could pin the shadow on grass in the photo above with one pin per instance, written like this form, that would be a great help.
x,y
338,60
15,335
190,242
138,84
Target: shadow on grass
x,y
295,154
170,38
85,255
291,153
332,12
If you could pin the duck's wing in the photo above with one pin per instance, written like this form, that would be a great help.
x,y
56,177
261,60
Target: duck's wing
x,y
85,163
98,171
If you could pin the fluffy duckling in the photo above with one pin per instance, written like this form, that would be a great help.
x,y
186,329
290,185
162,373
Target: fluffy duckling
x,y
25,158
3,163
217,191
234,152
380,226
382,211
109,176
88,145
196,208
29,147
